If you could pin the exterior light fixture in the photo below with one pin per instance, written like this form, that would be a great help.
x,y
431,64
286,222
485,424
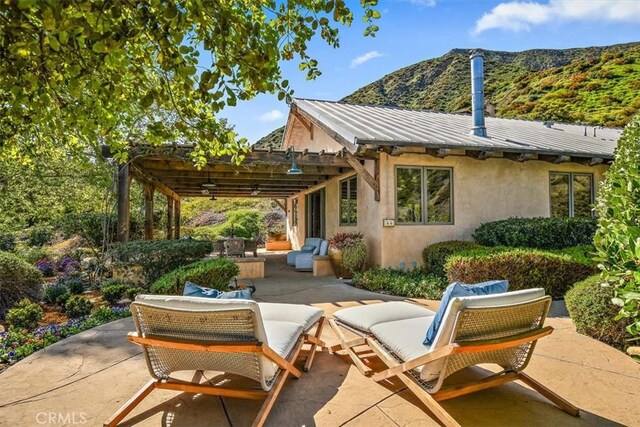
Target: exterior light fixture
x,y
255,191
208,184
213,197
295,170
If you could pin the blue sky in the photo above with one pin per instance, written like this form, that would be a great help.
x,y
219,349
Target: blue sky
x,y
415,30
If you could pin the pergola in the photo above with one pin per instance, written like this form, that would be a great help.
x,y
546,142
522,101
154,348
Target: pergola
x,y
262,173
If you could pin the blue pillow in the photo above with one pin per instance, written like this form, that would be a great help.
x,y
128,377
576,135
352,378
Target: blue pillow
x,y
308,248
193,290
461,290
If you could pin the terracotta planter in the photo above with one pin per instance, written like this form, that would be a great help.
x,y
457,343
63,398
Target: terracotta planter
x,y
335,257
278,245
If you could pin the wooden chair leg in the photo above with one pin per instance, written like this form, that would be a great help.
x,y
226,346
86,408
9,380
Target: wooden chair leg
x,y
562,403
131,403
365,370
312,351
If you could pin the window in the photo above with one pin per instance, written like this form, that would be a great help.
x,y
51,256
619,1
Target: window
x,y
349,201
571,194
294,212
424,195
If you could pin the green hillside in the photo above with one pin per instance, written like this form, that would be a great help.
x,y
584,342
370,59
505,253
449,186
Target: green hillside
x,y
596,85
273,140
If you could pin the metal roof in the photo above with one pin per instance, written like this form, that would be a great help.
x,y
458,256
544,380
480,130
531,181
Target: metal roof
x,y
362,124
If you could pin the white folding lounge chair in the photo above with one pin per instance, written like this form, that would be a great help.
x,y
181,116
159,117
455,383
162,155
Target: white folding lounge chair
x,y
260,341
499,328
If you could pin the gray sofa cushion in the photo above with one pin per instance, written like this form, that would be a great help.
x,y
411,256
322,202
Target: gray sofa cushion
x,y
302,315
324,248
364,317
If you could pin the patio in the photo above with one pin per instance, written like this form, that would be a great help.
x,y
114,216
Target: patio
x,y
85,378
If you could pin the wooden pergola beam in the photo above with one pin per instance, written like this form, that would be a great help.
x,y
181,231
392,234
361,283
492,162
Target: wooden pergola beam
x,y
166,165
148,178
364,174
148,210
280,204
170,204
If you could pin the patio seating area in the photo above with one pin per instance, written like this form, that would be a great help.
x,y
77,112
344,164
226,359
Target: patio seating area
x,y
90,375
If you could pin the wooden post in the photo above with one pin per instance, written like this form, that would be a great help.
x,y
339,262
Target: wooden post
x,y
176,229
124,184
148,211
169,217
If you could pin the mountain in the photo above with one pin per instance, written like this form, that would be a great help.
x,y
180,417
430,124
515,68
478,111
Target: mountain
x,y
593,85
273,140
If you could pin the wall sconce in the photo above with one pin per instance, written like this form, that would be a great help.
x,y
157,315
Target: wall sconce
x,y
295,170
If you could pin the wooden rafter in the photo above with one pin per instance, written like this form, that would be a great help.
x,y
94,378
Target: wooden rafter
x,y
364,174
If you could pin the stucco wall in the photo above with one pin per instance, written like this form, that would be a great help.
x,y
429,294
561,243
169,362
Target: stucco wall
x,y
484,191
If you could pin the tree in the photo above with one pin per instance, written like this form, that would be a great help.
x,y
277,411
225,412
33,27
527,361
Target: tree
x,y
618,237
79,74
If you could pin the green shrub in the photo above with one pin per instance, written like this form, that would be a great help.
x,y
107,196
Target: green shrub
x,y
243,223
582,254
435,256
132,293
215,273
354,256
524,268
77,306
158,257
62,299
113,293
53,291
593,313
25,315
39,235
18,280
74,284
33,254
541,233
618,238
91,226
7,242
413,283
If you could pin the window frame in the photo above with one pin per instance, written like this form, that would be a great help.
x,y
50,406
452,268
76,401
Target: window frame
x,y
348,181
423,194
571,175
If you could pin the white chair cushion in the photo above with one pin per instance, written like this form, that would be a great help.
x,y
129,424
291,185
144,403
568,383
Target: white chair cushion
x,y
282,337
302,315
364,317
404,337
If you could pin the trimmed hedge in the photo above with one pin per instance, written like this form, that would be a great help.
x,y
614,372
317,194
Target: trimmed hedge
x,y
18,280
215,273
435,256
540,233
412,283
524,268
158,257
590,308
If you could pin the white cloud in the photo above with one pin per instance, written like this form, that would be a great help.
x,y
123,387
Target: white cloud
x,y
271,116
522,15
364,58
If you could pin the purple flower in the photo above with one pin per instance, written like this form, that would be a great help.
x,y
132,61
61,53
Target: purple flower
x,y
67,265
46,267
12,354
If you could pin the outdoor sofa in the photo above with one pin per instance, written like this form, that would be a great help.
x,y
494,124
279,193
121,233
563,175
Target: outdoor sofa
x,y
499,328
304,261
311,246
259,341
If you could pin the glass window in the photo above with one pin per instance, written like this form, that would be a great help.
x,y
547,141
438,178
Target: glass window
x,y
426,190
439,195
294,212
409,195
582,186
571,194
349,201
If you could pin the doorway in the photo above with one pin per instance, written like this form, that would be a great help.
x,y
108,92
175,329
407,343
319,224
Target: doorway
x,y
315,214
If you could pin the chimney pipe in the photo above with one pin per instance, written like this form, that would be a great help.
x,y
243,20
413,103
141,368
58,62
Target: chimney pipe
x,y
477,92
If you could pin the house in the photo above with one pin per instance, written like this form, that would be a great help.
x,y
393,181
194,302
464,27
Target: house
x,y
420,177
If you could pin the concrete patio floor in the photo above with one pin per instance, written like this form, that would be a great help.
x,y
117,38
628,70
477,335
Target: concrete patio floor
x,y
84,379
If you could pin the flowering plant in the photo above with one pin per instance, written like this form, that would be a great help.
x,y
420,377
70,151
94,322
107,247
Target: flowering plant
x,y
67,265
344,240
46,267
